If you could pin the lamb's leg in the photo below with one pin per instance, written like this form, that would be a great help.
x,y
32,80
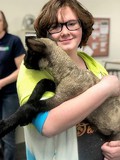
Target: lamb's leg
x,y
7,126
41,87
115,137
34,104
28,111
22,117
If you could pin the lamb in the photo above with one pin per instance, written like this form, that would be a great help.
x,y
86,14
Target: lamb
x,y
69,81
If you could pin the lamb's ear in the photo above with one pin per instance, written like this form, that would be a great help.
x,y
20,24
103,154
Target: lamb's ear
x,y
34,44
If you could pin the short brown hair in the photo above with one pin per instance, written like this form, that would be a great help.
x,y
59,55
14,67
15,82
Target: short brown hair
x,y
48,16
5,23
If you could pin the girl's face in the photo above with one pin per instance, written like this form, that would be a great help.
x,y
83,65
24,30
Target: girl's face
x,y
68,40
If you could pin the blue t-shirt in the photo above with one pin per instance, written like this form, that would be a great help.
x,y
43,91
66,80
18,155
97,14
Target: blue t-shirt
x,y
10,48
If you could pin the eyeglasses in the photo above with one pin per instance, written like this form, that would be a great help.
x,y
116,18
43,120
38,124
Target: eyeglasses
x,y
71,25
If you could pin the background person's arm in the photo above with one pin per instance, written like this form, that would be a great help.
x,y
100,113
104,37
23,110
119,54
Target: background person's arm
x,y
13,76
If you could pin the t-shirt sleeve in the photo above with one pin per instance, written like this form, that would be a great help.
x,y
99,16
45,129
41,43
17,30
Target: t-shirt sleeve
x,y
18,48
39,121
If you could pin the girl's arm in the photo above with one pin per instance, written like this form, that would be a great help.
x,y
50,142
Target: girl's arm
x,y
75,110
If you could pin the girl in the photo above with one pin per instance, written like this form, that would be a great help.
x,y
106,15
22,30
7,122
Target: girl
x,y
69,25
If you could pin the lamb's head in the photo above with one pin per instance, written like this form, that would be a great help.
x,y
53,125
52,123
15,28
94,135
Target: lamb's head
x,y
44,53
38,53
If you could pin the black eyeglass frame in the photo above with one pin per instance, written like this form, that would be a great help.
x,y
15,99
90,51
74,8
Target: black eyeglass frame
x,y
64,24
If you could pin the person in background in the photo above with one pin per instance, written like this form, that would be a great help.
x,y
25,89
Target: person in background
x,y
52,135
11,56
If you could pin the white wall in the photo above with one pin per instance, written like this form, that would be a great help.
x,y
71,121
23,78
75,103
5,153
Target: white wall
x,y
108,9
15,10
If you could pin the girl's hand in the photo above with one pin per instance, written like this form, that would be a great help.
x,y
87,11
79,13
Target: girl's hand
x,y
112,83
111,150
